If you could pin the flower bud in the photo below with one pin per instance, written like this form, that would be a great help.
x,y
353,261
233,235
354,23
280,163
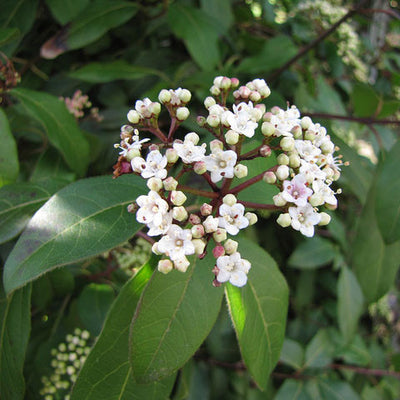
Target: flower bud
x,y
257,113
269,177
192,137
155,250
294,161
170,183
282,159
179,213
327,147
209,101
199,167
325,219
267,116
132,153
194,219
216,145
234,82
206,209
297,132
165,266
172,155
210,224
132,208
267,129
240,171
229,199
316,200
155,108
230,246
219,235
181,264
164,96
213,120
282,172
218,251
329,172
255,96
287,144
133,117
155,184
275,110
265,151
178,197
309,135
182,113
336,175
214,90
262,108
199,245
251,217
197,231
278,200
201,120
185,96
225,83
231,137
306,122
284,220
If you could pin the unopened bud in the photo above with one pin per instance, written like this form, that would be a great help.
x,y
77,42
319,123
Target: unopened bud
x,y
155,184
282,159
209,101
164,96
200,167
306,122
201,120
218,251
275,110
194,219
155,108
165,266
181,264
170,183
197,231
210,224
255,96
231,137
282,172
262,108
267,116
251,217
336,175
287,144
267,129
206,209
185,96
297,132
265,151
230,246
199,245
182,113
240,171
155,250
284,220
234,82
229,199
225,83
132,153
133,117
172,155
294,161
327,147
220,235
192,137
278,200
179,213
213,120
309,135
153,147
178,197
316,200
325,219
132,208
216,145
214,90
269,177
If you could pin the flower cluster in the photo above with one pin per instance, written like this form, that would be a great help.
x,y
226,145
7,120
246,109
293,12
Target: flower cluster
x,y
68,359
305,170
78,103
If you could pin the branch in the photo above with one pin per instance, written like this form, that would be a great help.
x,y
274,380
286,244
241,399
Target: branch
x,y
366,371
199,192
391,13
361,120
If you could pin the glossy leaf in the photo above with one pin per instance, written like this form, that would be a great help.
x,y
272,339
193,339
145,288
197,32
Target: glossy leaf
x,y
9,165
350,303
292,353
387,206
312,253
59,126
84,219
14,335
199,34
258,311
174,315
19,201
319,352
66,10
106,373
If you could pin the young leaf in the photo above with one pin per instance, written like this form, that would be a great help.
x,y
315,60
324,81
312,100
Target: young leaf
x,y
19,201
292,353
59,125
14,335
174,315
9,165
258,311
106,373
337,390
387,206
65,11
319,352
292,390
84,219
350,303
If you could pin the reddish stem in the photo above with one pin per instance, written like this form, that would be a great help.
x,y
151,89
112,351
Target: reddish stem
x,y
250,182
199,192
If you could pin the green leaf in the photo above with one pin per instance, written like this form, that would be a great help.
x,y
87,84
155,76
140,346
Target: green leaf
x,y
106,373
19,201
9,165
8,35
84,219
355,353
365,100
15,330
292,390
66,10
350,303
312,253
319,352
102,72
93,305
174,315
199,34
274,54
292,353
59,126
99,17
258,311
220,10
387,206
337,390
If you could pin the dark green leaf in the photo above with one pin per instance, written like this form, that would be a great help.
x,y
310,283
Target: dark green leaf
x,y
292,353
220,10
387,206
93,305
174,315
19,201
84,219
337,390
106,373
9,165
312,253
355,353
292,390
66,10
15,330
59,125
258,312
199,34
365,100
7,35
319,352
350,303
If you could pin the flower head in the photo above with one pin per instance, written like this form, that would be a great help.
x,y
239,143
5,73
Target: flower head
x,y
233,268
221,164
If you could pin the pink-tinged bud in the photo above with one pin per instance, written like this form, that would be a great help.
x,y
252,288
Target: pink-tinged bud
x,y
275,110
172,155
229,200
153,147
234,82
155,184
282,172
192,137
164,96
236,94
201,121
213,120
230,246
182,113
240,171
209,101
255,96
133,117
297,132
218,251
220,235
244,92
210,224
216,145
194,219
269,177
225,83
185,96
170,183
165,266
325,219
284,220
197,231
178,197
206,209
282,159
265,151
231,137
199,167
278,200
126,167
287,144
267,129
251,217
132,208
181,264
179,213
267,116
261,107
199,246
306,122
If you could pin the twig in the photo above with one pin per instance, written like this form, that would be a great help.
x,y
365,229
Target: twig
x,y
145,237
391,13
366,371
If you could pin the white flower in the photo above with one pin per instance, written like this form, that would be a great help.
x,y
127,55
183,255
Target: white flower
x,y
189,152
307,151
285,121
154,166
232,218
233,269
241,120
221,164
161,227
311,171
177,243
210,224
142,107
152,208
327,194
296,190
135,145
304,219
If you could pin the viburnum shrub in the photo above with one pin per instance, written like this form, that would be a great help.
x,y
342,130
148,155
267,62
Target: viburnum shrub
x,y
304,173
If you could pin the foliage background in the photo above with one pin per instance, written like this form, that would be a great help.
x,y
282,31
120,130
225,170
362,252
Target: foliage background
x,y
342,334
